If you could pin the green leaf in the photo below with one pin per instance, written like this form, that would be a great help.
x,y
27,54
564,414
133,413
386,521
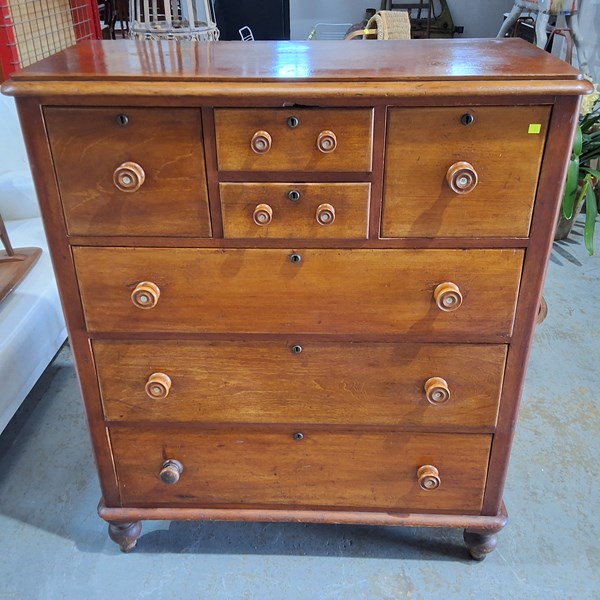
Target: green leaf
x,y
591,212
568,202
592,172
578,143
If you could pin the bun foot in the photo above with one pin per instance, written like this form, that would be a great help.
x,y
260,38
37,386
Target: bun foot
x,y
125,534
480,543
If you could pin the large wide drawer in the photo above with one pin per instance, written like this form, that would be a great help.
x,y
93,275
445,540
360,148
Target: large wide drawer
x,y
301,468
434,156
303,139
309,291
300,382
130,171
295,210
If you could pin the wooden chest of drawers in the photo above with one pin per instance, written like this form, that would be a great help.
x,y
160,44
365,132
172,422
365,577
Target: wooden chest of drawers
x,y
301,279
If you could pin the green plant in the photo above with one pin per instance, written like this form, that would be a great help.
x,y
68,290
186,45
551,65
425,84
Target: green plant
x,y
581,177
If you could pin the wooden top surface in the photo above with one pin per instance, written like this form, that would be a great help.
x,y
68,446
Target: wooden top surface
x,y
292,61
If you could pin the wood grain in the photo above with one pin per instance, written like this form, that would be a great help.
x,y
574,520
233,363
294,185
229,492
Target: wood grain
x,y
547,207
264,515
88,144
238,468
329,291
295,219
417,201
267,382
294,148
32,125
461,60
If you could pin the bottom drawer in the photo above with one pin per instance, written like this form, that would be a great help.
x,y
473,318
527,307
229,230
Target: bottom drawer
x,y
301,468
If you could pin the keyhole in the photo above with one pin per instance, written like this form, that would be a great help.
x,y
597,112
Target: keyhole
x,y
122,120
467,119
295,258
296,349
293,122
294,195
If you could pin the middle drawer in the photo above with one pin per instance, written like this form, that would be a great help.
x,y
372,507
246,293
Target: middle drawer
x,y
296,382
465,294
300,210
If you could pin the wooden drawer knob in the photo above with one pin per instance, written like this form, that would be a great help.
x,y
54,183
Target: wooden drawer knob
x,y
263,214
325,214
129,177
428,477
158,386
327,142
462,177
171,471
261,142
447,296
145,295
437,390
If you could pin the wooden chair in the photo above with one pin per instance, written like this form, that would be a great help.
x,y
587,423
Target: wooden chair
x,y
544,9
385,25
14,264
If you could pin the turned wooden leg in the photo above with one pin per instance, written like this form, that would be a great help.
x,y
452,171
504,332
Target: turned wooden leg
x,y
480,542
125,534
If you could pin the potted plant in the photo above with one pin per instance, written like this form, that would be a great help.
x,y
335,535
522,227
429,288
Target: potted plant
x,y
582,177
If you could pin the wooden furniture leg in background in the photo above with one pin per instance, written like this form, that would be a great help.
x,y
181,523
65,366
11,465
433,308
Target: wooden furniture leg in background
x,y
14,264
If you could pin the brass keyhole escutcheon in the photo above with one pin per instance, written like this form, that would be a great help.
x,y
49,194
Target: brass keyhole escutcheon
x,y
294,195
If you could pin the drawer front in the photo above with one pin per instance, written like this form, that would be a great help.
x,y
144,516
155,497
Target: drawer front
x,y
305,210
322,140
323,469
95,150
326,291
424,151
297,382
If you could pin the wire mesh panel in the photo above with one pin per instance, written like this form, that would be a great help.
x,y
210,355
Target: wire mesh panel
x,y
34,29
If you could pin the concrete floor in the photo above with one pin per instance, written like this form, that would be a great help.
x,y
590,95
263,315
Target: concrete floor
x,y
53,546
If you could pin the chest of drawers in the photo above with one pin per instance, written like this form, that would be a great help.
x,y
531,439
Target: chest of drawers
x,y
301,279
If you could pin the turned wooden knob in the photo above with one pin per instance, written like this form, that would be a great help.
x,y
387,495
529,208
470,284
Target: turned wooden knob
x,y
171,471
428,477
129,177
145,295
447,296
327,142
437,390
263,214
261,142
158,386
462,177
325,214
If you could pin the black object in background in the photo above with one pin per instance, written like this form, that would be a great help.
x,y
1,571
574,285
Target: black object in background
x,y
268,19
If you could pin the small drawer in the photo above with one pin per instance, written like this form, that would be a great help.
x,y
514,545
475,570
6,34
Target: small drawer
x,y
462,294
462,172
130,171
309,140
293,211
301,468
417,385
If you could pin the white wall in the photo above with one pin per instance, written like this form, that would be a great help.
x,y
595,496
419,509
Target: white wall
x,y
479,18
12,148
